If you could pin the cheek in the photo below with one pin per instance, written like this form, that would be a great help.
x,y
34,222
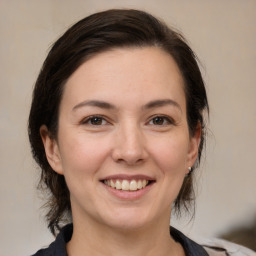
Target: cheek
x,y
170,153
81,162
82,155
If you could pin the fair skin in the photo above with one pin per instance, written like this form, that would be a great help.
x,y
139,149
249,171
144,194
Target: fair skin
x,y
124,148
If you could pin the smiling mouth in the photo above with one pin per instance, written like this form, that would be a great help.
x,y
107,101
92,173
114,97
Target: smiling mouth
x,y
127,185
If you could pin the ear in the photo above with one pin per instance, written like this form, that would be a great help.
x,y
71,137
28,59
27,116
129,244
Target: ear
x,y
51,150
194,146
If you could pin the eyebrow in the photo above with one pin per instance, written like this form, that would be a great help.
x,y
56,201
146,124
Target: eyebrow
x,y
106,105
94,103
161,103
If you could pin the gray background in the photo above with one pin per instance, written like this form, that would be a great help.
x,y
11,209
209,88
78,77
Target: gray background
x,y
222,33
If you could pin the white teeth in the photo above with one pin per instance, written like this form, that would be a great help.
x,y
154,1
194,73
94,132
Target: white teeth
x,y
139,184
112,184
133,185
118,185
126,185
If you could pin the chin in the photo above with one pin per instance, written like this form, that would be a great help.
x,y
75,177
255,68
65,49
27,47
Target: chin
x,y
127,219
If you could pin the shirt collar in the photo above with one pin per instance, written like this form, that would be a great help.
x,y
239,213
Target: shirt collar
x,y
191,248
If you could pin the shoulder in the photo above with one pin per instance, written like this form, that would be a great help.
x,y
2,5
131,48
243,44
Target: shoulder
x,y
211,247
219,247
52,250
45,251
42,252
58,247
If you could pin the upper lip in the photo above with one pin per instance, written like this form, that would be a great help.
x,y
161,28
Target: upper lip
x,y
128,177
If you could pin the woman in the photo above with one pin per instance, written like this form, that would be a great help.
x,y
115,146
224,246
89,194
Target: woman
x,y
117,127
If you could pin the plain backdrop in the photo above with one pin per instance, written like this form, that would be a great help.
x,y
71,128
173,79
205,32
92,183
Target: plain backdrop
x,y
221,32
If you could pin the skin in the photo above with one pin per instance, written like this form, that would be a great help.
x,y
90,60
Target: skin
x,y
128,139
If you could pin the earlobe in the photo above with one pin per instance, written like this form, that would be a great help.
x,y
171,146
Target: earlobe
x,y
51,150
194,146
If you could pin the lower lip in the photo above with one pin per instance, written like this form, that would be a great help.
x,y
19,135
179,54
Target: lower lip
x,y
129,195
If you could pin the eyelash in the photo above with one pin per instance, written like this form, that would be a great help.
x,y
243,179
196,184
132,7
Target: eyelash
x,y
90,118
165,120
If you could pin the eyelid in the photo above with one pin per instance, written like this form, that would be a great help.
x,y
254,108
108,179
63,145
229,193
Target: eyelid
x,y
88,118
169,119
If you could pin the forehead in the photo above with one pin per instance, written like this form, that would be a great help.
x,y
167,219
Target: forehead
x,y
141,73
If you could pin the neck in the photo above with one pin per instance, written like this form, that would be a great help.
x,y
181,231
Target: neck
x,y
98,240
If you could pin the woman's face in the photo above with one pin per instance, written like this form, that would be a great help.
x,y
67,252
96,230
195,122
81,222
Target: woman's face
x,y
123,140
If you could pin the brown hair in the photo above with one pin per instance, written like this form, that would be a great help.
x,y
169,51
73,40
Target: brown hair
x,y
90,36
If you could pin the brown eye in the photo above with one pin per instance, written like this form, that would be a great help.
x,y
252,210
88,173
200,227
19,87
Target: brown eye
x,y
158,120
161,120
94,121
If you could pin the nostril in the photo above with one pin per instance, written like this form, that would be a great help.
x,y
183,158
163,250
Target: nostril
x,y
130,162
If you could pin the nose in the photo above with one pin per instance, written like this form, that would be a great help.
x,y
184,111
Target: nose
x,y
129,147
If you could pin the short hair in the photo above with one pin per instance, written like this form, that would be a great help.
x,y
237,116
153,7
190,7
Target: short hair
x,y
99,32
